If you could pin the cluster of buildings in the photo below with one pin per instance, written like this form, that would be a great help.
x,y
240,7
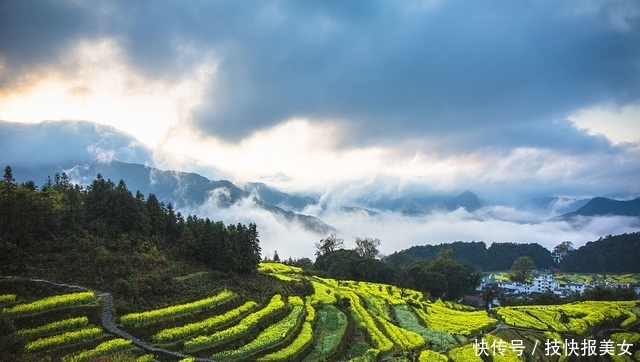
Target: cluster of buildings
x,y
541,283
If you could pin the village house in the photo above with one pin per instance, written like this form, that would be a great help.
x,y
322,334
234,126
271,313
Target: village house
x,y
576,287
543,283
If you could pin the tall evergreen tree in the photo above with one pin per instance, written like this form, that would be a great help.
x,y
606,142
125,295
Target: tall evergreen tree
x,y
7,206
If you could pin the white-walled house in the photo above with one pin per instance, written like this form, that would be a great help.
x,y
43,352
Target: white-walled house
x,y
542,283
517,288
545,282
576,287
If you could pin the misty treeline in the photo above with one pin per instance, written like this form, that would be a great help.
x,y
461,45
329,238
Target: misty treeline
x,y
62,217
611,254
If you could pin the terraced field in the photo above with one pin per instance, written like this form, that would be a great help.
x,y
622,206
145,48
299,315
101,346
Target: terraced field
x,y
45,334
575,318
587,278
341,319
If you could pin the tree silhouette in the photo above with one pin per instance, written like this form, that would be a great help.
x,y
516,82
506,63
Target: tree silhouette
x,y
367,247
522,267
329,244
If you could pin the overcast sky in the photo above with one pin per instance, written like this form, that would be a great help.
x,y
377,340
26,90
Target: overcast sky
x,y
499,97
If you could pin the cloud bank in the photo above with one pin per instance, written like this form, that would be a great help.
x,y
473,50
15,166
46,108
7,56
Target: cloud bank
x,y
398,232
512,100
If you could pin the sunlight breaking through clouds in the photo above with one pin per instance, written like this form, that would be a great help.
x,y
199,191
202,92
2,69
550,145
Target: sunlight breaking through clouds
x,y
95,84
514,101
619,124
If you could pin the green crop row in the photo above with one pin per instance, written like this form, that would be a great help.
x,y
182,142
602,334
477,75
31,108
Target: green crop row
x,y
439,317
176,310
271,336
54,327
103,349
276,304
408,320
49,303
302,340
311,311
323,294
388,293
374,304
7,298
366,321
330,329
521,319
64,339
466,353
277,268
576,317
401,337
431,356
170,335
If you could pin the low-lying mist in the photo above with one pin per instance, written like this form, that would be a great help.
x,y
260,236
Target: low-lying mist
x,y
397,232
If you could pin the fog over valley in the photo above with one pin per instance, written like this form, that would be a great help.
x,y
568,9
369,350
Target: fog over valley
x,y
418,122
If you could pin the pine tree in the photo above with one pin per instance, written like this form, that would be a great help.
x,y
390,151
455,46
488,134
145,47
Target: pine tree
x,y
7,204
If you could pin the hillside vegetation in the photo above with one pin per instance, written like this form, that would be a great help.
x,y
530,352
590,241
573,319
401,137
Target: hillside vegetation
x,y
105,237
98,273
303,318
610,254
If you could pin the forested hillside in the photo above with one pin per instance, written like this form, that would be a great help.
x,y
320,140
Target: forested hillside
x,y
104,236
101,234
498,256
156,286
612,254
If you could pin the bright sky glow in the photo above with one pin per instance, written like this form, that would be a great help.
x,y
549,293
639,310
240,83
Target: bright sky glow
x,y
515,101
619,124
100,88
297,154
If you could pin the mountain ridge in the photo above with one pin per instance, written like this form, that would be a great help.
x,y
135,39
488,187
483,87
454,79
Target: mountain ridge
x,y
602,206
182,189
466,200
89,147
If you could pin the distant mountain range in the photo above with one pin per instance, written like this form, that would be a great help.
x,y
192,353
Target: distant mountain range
x,y
560,205
417,206
358,210
182,189
275,197
89,149
466,200
602,206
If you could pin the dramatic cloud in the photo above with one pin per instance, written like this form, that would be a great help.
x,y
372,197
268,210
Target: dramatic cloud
x,y
620,124
98,86
64,143
385,70
512,100
399,232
